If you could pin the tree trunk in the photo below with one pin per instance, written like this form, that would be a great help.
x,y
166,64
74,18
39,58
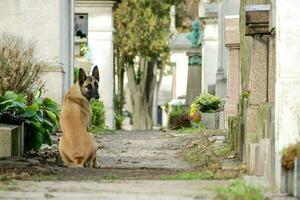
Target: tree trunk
x,y
141,116
141,95
155,98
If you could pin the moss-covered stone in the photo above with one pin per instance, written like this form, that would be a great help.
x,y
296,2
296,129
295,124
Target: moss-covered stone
x,y
234,134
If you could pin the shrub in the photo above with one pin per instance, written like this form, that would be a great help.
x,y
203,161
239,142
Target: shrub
x,y
205,103
239,190
98,114
119,115
19,70
179,118
289,155
41,116
119,120
195,114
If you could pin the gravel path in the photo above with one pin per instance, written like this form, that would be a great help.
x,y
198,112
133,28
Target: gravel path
x,y
153,150
131,166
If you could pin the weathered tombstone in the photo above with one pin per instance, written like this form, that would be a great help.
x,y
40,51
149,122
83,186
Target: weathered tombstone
x,y
297,178
253,155
11,140
222,121
259,165
287,181
263,163
194,81
267,158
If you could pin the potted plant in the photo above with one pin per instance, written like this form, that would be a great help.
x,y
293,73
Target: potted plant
x,y
205,107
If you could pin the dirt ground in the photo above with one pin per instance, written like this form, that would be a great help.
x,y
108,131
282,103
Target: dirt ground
x,y
121,155
131,166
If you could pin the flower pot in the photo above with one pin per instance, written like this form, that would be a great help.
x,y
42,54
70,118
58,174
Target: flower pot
x,y
287,181
210,120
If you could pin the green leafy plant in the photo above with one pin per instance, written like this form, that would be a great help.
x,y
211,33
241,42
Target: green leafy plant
x,y
76,74
119,116
195,113
119,120
83,49
19,70
195,128
40,115
179,118
239,190
206,103
98,115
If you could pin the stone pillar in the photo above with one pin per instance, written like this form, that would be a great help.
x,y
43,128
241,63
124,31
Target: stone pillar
x,y
49,24
257,26
221,72
194,78
100,42
287,95
209,54
172,19
232,42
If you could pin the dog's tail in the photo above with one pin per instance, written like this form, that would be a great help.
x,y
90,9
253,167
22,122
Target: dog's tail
x,y
79,161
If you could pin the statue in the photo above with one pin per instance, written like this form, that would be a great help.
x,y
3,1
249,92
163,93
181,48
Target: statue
x,y
195,37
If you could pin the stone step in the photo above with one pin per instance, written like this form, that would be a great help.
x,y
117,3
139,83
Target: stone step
x,y
11,140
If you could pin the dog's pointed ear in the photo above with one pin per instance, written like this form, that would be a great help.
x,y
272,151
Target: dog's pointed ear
x,y
95,73
82,76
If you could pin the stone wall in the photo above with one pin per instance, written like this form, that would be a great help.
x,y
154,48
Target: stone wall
x,y
256,107
287,96
100,42
250,105
49,23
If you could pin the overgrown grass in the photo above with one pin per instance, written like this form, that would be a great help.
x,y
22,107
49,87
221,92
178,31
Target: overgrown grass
x,y
40,177
203,175
224,150
196,128
207,175
202,154
6,183
111,177
100,131
4,178
239,190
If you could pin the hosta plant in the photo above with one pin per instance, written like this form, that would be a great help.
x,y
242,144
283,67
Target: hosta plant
x,y
40,116
206,103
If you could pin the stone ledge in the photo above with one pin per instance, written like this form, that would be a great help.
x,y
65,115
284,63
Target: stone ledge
x,y
53,67
233,46
257,19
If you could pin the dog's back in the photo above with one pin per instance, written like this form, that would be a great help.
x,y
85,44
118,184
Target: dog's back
x,y
76,146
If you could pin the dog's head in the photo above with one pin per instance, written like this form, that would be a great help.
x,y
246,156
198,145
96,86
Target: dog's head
x,y
89,84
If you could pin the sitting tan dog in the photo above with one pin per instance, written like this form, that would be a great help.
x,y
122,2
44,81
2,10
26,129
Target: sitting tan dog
x,y
78,147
